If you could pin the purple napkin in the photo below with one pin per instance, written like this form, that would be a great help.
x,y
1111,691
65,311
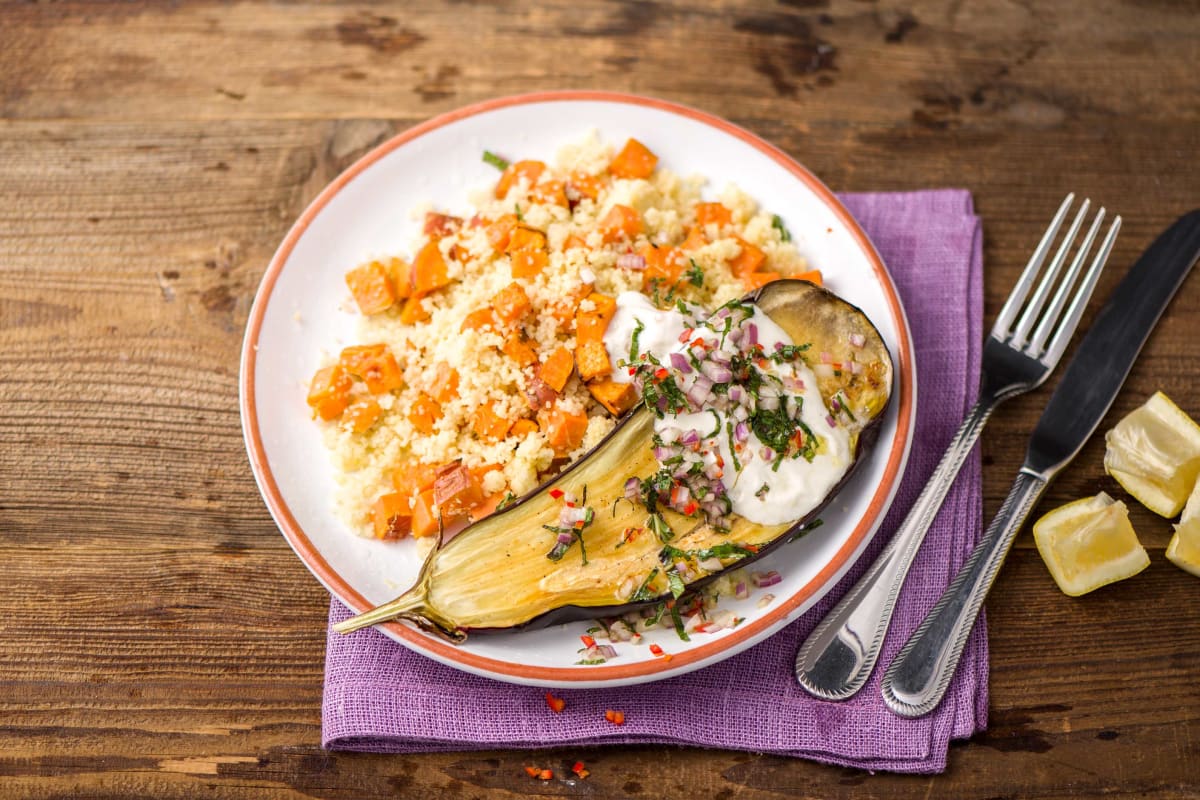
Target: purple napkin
x,y
382,697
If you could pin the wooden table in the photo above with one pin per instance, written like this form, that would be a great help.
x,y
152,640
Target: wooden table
x,y
159,637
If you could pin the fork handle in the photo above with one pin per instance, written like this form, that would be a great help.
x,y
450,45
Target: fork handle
x,y
917,680
839,655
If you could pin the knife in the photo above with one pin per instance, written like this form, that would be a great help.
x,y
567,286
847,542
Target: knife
x,y
917,679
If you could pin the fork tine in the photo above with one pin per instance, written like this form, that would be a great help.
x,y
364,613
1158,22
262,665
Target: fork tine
x,y
1034,309
1015,300
1059,343
1050,319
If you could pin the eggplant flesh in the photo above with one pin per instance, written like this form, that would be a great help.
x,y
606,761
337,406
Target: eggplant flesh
x,y
495,575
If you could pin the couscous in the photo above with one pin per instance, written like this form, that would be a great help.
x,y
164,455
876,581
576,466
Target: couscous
x,y
483,370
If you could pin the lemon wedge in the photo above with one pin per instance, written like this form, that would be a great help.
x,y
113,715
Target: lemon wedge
x,y
1184,549
1154,453
1089,543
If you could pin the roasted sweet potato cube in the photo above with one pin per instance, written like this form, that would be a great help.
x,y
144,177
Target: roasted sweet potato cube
x,y
757,279
591,324
581,185
591,359
439,225
664,266
429,269
550,193
616,397
621,222
529,170
456,489
362,414
695,239
523,427
713,214
528,263
329,392
402,277
499,232
556,369
564,431
411,479
413,311
511,304
489,425
478,320
425,515
747,261
524,237
375,365
634,161
371,287
424,413
391,516
519,350
445,382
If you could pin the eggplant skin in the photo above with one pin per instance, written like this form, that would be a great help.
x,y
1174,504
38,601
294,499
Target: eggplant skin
x,y
564,614
494,576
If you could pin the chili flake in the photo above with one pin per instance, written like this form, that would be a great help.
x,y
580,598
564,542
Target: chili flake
x,y
615,717
557,704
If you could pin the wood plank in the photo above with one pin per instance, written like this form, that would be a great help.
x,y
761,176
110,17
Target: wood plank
x,y
1005,63
161,639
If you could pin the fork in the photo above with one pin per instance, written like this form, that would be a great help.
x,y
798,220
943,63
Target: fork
x,y
1025,344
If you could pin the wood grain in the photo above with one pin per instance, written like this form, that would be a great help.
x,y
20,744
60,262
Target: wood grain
x,y
159,638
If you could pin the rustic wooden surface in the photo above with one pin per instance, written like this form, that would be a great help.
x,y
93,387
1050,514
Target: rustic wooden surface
x,y
160,639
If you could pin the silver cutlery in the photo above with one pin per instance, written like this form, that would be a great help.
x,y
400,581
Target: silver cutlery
x,y
917,680
1025,344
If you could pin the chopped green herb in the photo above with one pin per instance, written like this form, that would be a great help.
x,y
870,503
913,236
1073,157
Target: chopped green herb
x,y
777,224
679,624
633,341
676,583
812,526
788,352
695,274
646,590
495,160
660,527
520,218
508,500
717,430
762,491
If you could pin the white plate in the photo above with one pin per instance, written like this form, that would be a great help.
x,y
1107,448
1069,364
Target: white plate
x,y
366,212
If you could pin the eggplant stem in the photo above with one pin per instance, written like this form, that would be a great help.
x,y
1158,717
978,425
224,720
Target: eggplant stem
x,y
412,605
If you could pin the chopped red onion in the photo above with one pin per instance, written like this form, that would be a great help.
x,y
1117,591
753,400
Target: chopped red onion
x,y
751,334
631,488
606,650
710,564
765,600
741,591
631,261
679,361
565,538
700,392
857,339
721,357
856,368
741,432
832,422
761,579
690,437
663,453
767,453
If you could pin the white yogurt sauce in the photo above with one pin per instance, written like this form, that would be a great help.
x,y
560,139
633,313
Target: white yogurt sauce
x,y
797,485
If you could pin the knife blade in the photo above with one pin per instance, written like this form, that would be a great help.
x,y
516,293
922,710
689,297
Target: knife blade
x,y
1106,354
917,680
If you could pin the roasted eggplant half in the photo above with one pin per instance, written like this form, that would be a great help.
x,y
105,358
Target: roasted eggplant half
x,y
496,574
